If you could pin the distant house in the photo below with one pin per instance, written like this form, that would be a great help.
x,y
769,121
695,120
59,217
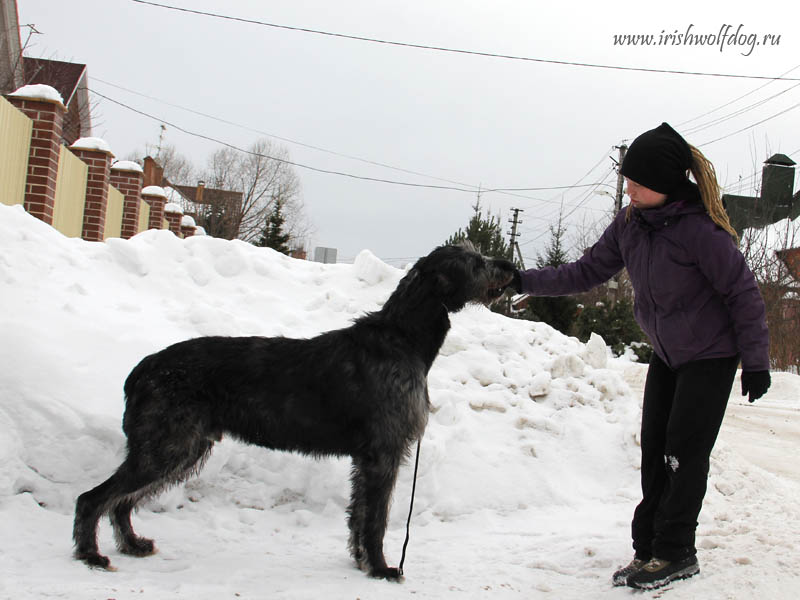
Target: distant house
x,y
216,211
69,79
791,258
775,202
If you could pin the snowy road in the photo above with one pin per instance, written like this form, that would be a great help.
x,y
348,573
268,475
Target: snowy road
x,y
766,434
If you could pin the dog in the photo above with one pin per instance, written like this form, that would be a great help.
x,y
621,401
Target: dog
x,y
360,391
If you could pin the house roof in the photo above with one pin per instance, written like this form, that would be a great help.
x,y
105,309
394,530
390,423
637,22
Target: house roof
x,y
780,159
210,195
63,76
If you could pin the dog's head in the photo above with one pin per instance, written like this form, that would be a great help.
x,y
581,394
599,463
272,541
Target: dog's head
x,y
459,275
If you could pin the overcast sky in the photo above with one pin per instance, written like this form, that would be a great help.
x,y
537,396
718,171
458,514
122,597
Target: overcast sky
x,y
435,118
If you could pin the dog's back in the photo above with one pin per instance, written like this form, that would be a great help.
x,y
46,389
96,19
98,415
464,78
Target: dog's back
x,y
320,396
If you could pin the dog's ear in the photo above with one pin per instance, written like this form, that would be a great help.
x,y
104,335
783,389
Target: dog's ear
x,y
444,285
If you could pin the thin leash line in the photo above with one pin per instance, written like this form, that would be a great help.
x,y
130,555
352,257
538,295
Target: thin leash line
x,y
410,508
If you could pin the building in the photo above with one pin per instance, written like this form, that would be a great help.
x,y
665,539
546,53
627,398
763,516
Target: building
x,y
775,202
69,79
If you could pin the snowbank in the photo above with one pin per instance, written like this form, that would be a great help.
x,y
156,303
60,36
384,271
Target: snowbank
x,y
528,472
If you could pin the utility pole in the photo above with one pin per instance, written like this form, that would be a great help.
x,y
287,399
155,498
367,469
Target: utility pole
x,y
620,179
613,284
513,245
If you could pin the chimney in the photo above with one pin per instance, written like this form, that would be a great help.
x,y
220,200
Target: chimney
x,y
153,173
201,185
777,184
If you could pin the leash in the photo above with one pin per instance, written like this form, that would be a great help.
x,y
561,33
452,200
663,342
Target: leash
x,y
410,508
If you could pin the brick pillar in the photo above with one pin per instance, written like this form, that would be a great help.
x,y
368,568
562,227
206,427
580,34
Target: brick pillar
x,y
40,189
127,178
187,226
94,212
157,199
174,213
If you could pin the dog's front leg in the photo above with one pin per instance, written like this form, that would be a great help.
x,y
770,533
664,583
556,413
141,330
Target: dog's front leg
x,y
379,473
357,515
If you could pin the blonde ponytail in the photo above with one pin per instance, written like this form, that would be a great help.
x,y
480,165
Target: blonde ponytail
x,y
706,177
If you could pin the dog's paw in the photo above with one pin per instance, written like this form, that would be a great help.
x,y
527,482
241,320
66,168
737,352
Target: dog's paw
x,y
95,560
138,547
388,573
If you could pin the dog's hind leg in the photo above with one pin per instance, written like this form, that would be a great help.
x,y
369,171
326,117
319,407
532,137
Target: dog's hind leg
x,y
90,507
127,540
379,474
105,498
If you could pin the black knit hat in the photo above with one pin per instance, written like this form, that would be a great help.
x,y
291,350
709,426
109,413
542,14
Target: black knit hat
x,y
658,159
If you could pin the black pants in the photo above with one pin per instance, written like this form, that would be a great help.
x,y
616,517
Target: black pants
x,y
681,417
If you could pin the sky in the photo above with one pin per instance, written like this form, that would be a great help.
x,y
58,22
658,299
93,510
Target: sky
x,y
431,118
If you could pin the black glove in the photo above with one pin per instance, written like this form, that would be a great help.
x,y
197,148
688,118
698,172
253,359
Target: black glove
x,y
516,282
756,383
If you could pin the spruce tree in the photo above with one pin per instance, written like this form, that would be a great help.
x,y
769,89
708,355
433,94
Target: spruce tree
x,y
485,233
273,235
560,311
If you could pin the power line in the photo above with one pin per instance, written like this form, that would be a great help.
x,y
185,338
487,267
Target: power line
x,y
710,112
275,158
753,125
741,111
317,169
277,137
452,50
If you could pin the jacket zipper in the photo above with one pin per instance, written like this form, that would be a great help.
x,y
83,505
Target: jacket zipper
x,y
656,336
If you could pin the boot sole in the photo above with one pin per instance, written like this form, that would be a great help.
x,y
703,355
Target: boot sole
x,y
684,573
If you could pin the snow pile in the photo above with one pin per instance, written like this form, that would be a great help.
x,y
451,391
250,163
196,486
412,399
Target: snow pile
x,y
154,190
92,143
127,165
528,470
39,91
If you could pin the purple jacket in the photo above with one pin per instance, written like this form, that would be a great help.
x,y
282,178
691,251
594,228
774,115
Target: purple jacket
x,y
695,296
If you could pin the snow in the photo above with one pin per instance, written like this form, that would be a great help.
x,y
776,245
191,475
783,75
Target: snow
x,y
187,221
92,143
154,190
127,165
39,91
171,207
528,471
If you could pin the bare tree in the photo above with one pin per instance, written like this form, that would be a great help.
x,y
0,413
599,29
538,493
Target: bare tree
x,y
778,288
177,168
264,177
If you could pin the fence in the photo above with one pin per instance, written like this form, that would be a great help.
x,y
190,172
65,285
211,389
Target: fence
x,y
70,194
15,141
77,190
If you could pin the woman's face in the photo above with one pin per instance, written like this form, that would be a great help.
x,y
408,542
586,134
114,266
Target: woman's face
x,y
642,197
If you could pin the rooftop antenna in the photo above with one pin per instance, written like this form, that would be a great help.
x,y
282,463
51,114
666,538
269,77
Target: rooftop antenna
x,y
160,140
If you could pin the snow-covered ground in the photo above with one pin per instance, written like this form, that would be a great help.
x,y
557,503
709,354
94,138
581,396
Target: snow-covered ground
x,y
529,466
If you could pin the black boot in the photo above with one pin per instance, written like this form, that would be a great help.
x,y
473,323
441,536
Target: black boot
x,y
620,577
658,573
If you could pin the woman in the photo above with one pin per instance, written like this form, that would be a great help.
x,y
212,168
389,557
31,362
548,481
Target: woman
x,y
699,304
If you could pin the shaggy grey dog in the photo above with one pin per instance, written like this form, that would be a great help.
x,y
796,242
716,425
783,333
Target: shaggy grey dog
x,y
359,391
